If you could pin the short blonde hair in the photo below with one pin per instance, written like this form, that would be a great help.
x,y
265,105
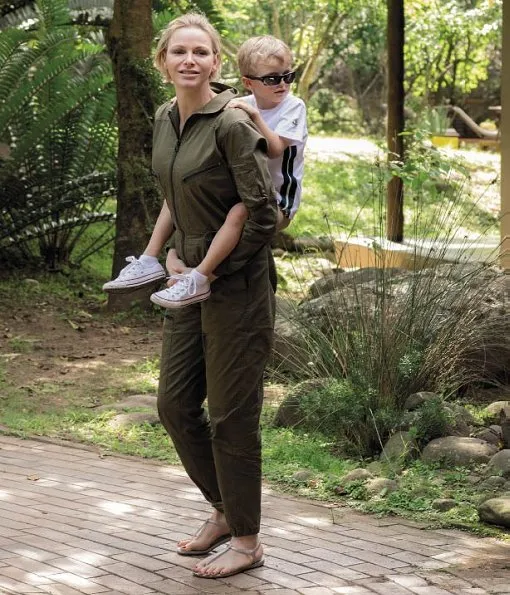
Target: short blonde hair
x,y
263,47
190,19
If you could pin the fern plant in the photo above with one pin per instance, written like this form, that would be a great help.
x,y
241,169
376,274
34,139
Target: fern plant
x,y
57,118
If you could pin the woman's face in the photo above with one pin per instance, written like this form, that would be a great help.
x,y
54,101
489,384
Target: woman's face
x,y
190,60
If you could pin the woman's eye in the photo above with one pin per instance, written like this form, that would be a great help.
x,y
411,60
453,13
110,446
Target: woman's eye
x,y
202,52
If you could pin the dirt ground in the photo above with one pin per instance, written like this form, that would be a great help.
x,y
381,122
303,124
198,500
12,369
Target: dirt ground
x,y
74,350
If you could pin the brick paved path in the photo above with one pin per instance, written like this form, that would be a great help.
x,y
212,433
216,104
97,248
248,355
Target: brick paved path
x,y
72,522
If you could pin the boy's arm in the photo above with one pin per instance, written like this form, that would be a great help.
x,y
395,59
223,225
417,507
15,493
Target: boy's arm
x,y
163,229
276,144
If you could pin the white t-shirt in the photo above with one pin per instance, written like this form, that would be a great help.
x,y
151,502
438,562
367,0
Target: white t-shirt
x,y
288,120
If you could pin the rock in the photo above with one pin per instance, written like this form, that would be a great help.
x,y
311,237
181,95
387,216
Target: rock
x,y
443,504
303,475
494,482
473,479
289,413
492,435
33,282
500,463
458,450
124,420
458,424
131,402
289,354
493,411
380,486
416,399
495,511
356,475
399,446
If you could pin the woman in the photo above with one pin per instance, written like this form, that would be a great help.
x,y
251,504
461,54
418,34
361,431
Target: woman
x,y
208,159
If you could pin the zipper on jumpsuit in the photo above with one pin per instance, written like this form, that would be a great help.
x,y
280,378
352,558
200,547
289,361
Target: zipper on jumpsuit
x,y
172,163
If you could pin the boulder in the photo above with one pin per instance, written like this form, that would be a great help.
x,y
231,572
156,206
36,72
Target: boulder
x,y
492,435
289,413
494,410
302,475
358,474
444,504
458,450
290,354
380,486
124,420
500,463
416,399
400,445
495,511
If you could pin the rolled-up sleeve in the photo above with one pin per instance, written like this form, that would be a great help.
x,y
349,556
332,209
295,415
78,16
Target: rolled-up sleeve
x,y
245,150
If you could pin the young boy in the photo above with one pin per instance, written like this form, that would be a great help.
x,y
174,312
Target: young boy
x,y
265,66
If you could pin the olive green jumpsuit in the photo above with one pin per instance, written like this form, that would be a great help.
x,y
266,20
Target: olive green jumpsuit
x,y
218,348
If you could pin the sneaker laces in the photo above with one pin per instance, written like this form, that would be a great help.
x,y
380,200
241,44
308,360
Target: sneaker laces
x,y
186,284
134,266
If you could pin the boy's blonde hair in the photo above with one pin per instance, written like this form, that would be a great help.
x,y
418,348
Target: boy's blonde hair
x,y
190,19
263,47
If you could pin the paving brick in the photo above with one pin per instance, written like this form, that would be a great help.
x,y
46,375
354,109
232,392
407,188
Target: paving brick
x,y
131,573
324,554
323,579
280,578
430,590
82,585
340,571
171,588
316,591
389,589
120,584
146,562
353,591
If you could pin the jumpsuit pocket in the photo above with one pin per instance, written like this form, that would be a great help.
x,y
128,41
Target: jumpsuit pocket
x,y
203,169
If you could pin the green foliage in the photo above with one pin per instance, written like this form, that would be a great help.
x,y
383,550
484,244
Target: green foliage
x,y
57,118
449,48
332,113
430,421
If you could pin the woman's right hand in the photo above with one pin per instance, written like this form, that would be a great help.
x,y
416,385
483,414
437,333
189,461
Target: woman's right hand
x,y
174,265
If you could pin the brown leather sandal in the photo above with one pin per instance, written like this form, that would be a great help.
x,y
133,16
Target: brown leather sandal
x,y
250,566
218,541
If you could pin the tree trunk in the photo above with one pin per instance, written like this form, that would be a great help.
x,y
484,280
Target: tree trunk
x,y
129,44
395,42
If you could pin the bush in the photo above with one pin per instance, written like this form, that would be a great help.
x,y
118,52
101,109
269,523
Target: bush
x,y
383,334
332,113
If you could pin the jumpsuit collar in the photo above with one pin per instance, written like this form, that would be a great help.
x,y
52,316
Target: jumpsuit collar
x,y
224,94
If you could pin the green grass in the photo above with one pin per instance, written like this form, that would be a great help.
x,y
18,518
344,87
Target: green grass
x,y
343,197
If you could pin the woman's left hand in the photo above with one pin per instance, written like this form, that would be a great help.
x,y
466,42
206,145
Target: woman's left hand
x,y
174,265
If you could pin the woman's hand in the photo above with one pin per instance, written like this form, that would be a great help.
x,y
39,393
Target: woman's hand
x,y
174,265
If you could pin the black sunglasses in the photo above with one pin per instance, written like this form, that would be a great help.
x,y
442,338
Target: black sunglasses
x,y
271,80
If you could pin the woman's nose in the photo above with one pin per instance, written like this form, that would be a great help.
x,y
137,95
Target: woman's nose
x,y
189,58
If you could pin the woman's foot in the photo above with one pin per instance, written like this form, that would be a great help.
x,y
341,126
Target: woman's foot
x,y
211,534
243,553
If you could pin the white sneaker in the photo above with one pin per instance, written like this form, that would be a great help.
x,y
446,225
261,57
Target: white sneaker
x,y
135,274
182,293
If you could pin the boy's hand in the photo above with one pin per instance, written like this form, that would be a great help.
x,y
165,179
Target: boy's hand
x,y
249,109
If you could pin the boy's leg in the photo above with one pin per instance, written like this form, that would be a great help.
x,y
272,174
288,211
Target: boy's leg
x,y
225,240
195,286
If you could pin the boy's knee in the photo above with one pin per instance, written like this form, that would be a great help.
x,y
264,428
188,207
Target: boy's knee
x,y
238,214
